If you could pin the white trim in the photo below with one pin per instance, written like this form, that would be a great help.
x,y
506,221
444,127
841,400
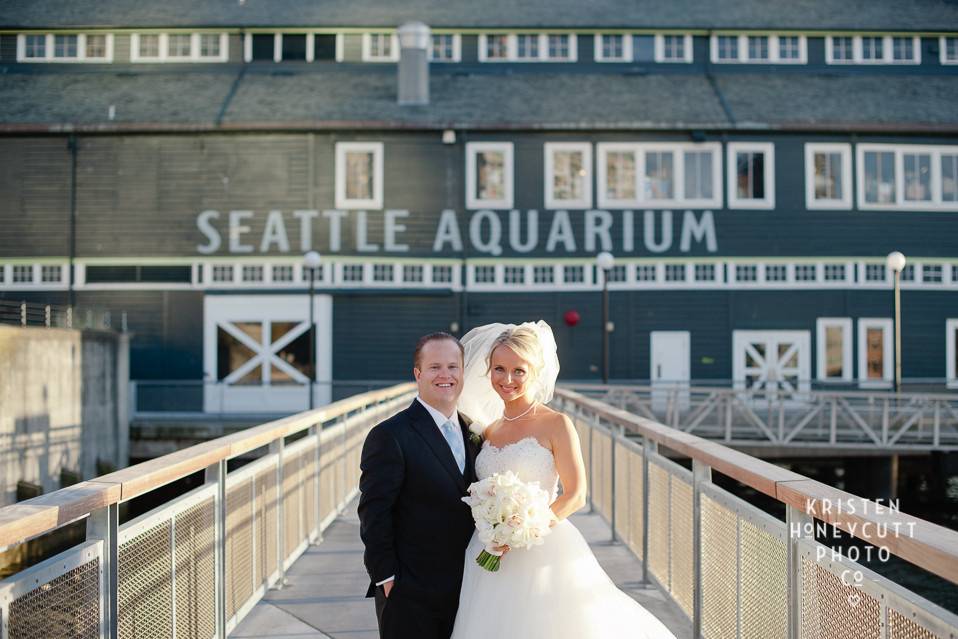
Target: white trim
x,y
639,151
951,373
472,150
543,47
885,325
768,148
899,151
551,202
774,49
376,148
340,47
456,48
597,51
845,151
942,50
367,55
821,326
49,49
858,50
660,48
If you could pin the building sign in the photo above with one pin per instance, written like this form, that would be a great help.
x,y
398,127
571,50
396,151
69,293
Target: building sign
x,y
480,232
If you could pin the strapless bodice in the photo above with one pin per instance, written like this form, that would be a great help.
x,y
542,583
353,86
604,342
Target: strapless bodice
x,y
527,458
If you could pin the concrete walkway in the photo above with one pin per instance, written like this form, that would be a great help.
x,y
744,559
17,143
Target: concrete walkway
x,y
324,599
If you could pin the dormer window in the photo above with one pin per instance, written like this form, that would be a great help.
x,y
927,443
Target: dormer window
x,y
64,47
380,47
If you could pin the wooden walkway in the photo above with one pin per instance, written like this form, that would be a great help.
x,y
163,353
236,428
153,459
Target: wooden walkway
x,y
324,599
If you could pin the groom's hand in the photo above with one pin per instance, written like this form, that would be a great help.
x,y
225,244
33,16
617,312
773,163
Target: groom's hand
x,y
388,586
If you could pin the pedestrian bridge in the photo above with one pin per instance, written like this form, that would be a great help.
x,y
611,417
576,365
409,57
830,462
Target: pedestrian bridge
x,y
239,552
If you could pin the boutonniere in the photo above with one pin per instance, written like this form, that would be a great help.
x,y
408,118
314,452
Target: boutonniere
x,y
475,433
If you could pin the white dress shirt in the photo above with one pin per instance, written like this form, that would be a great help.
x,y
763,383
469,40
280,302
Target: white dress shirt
x,y
440,419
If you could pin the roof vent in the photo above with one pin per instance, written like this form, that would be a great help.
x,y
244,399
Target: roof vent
x,y
414,43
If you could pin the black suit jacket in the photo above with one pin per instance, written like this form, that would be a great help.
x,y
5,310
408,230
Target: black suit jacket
x,y
412,519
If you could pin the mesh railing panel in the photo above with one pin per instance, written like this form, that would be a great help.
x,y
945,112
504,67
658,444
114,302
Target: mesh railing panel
x,y
901,627
680,552
832,610
719,547
309,489
659,532
194,535
583,431
623,518
67,606
327,486
267,525
291,503
764,583
145,585
635,502
602,473
239,546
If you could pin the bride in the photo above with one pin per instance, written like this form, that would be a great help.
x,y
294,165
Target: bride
x,y
556,590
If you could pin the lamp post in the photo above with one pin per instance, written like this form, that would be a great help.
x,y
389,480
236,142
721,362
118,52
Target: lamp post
x,y
311,261
605,261
896,263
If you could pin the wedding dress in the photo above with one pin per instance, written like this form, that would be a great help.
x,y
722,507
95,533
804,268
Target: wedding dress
x,y
556,590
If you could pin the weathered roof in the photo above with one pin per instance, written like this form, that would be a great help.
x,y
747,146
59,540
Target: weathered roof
x,y
934,15
342,96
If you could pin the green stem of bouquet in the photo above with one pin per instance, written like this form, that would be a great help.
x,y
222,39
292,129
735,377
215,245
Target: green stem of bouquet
x,y
489,561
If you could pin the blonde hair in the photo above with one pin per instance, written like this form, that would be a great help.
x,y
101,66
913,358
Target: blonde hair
x,y
524,342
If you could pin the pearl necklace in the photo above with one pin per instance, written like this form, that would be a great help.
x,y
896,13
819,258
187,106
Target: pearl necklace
x,y
522,414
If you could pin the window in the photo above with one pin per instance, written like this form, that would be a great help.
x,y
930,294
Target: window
x,y
954,274
35,46
412,273
51,274
96,48
489,175
675,272
485,274
65,46
442,274
284,273
776,272
806,273
561,47
527,46
359,175
3,273
147,46
293,46
222,272
875,272
951,352
543,274
645,273
704,272
328,47
617,274
902,49
759,49
568,178
673,48
931,274
834,345
184,47
908,273
746,273
22,273
789,48
835,273
908,176
352,272
613,47
179,45
252,273
873,49
573,274
727,48
493,47
751,175
314,274
210,45
383,272
841,49
874,352
672,174
446,47
948,50
828,176
380,47
514,274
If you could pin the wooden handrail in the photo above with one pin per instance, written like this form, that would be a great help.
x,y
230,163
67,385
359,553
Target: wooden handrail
x,y
921,542
858,394
27,519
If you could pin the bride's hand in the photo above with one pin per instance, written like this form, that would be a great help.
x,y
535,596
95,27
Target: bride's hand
x,y
501,549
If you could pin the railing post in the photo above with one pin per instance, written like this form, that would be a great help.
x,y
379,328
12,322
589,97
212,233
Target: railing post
x,y
701,474
216,474
613,435
277,447
649,447
103,524
317,536
799,525
595,421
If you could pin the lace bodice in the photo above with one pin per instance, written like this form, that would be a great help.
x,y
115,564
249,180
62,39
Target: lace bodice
x,y
527,458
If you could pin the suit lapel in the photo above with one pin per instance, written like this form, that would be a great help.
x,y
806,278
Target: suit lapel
x,y
471,449
425,427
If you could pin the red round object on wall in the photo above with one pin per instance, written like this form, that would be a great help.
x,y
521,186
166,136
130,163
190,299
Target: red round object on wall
x,y
571,318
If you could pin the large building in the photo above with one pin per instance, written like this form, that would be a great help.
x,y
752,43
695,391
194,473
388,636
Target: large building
x,y
748,164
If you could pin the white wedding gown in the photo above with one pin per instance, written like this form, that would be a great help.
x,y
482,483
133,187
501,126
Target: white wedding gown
x,y
556,590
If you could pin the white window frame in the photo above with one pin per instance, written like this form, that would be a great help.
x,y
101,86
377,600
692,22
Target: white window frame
x,y
821,326
48,49
393,56
552,202
942,50
885,324
512,48
342,202
678,149
900,150
845,151
768,148
660,48
456,48
163,49
626,47
472,150
951,374
857,49
773,49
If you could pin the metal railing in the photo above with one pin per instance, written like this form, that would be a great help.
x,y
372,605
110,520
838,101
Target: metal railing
x,y
814,418
733,569
53,315
192,567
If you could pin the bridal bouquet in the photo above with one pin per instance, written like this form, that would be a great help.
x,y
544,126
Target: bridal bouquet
x,y
508,512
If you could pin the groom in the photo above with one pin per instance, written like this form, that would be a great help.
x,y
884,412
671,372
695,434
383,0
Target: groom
x,y
415,467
